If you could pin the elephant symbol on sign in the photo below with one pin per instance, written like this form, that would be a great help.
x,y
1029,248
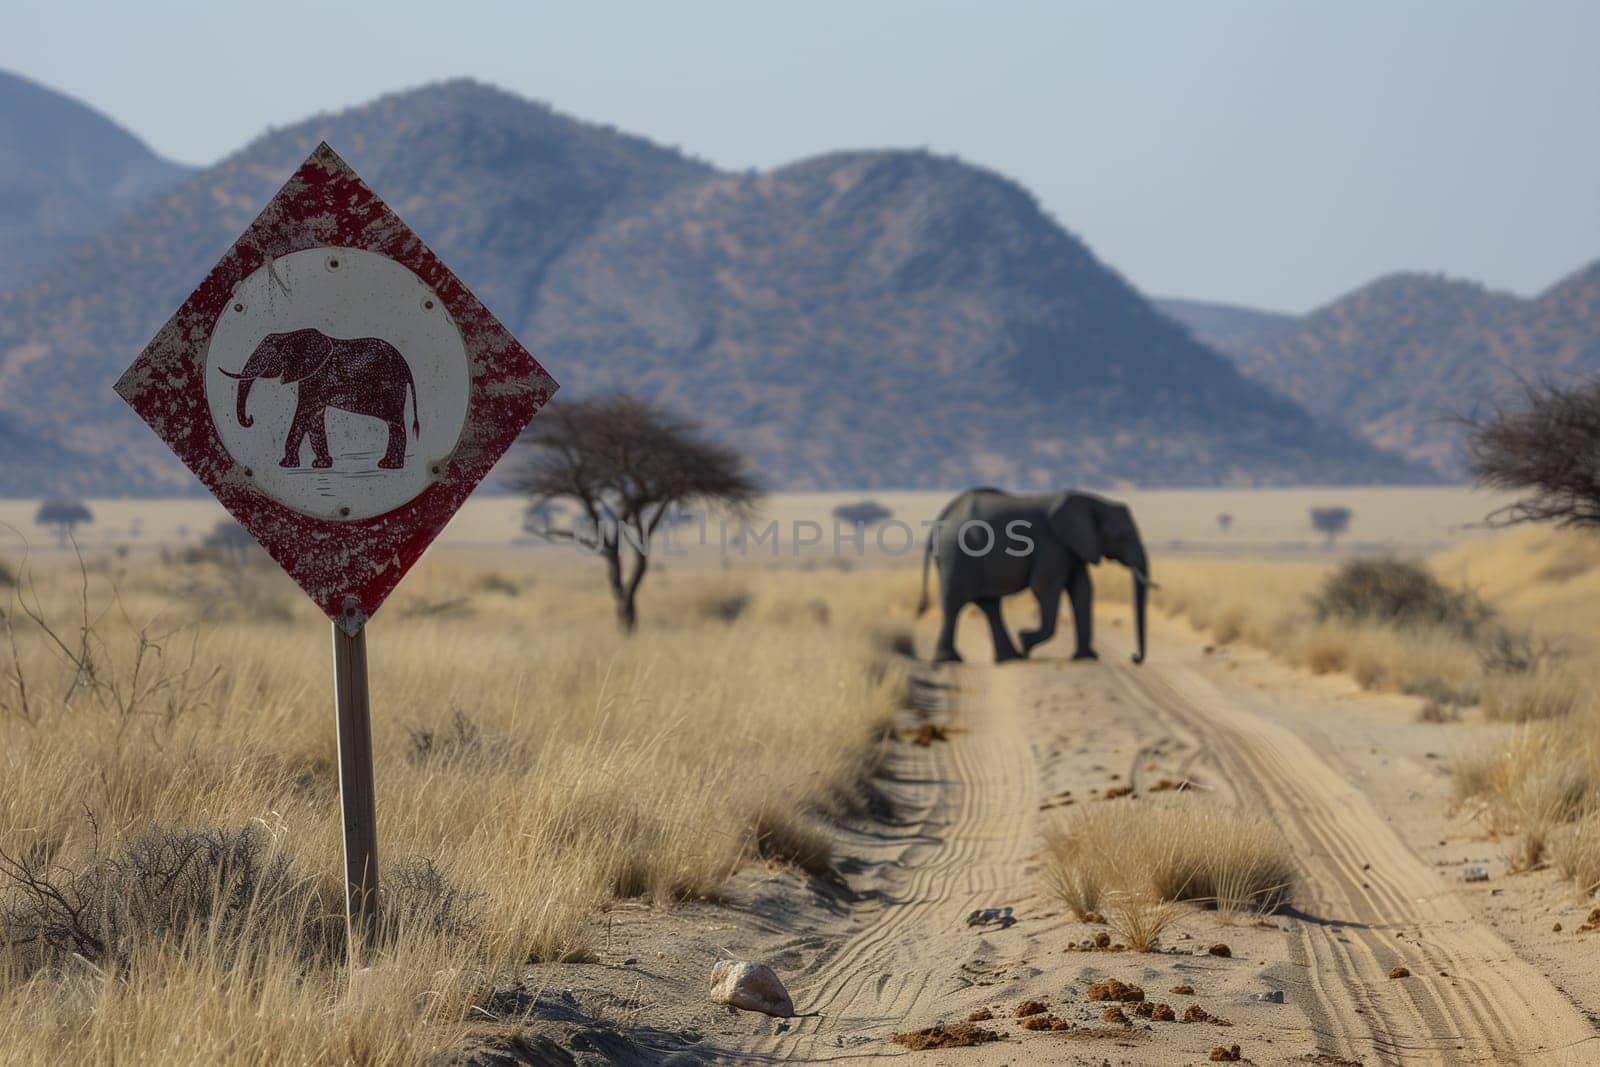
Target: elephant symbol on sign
x,y
365,375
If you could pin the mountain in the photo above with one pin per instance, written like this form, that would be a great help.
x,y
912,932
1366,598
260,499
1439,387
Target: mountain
x,y
861,319
65,171
1397,358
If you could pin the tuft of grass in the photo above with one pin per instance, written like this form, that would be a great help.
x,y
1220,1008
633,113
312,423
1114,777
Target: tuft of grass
x,y
1574,851
1139,918
1071,871
1136,856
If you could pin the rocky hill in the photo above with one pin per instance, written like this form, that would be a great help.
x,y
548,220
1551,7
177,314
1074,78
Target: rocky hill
x,y
1397,358
867,319
65,171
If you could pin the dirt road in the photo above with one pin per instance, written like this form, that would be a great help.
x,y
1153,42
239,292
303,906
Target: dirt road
x,y
971,810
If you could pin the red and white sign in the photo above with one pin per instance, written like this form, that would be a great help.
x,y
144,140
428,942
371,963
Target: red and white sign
x,y
336,387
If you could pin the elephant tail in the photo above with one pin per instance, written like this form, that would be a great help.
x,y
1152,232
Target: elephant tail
x,y
927,554
416,423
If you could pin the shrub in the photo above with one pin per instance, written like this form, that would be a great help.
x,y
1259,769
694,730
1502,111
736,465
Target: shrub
x,y
1399,592
164,884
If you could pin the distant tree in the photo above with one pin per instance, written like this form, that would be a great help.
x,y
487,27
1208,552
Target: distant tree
x,y
1331,522
627,465
862,513
1548,449
65,516
1224,521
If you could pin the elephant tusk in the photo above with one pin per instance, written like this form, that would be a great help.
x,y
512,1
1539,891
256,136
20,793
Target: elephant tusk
x,y
236,377
1144,579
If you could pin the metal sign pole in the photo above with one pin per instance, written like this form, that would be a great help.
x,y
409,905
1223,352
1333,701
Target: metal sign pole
x,y
355,787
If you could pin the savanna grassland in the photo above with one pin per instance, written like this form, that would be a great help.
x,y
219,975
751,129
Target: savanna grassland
x,y
169,836
744,776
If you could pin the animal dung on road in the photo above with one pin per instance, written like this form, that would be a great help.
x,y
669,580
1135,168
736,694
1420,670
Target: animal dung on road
x,y
1113,989
953,1035
750,986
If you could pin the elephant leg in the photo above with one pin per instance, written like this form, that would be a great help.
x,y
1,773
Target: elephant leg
x,y
945,648
297,433
1049,607
395,457
1003,648
319,441
1080,592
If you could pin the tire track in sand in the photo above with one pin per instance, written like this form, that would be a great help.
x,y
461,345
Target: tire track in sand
x,y
978,792
1368,903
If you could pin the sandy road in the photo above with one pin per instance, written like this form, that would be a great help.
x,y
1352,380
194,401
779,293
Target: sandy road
x,y
1367,903
968,836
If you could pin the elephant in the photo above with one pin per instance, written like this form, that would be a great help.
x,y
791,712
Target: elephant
x,y
364,375
1044,543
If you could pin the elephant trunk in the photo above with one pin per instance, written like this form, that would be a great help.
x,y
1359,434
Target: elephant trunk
x,y
244,394
1140,587
1140,566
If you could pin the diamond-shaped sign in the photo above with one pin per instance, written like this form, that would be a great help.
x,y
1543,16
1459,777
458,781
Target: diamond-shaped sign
x,y
337,388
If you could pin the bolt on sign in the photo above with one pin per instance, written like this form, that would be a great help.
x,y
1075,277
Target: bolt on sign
x,y
341,393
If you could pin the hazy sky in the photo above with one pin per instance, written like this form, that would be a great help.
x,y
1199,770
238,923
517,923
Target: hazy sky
x,y
1274,153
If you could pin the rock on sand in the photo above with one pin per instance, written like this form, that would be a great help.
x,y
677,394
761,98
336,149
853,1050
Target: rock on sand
x,y
751,986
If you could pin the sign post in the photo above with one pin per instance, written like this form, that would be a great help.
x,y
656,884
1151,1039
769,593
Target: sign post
x,y
340,392
358,811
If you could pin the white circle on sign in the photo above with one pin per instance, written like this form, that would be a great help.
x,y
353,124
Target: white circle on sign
x,y
338,380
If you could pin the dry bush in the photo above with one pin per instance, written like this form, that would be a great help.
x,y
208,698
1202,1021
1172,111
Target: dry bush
x,y
526,735
1398,593
1130,858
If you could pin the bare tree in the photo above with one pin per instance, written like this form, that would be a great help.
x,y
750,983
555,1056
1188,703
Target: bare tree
x,y
1331,522
1548,449
628,466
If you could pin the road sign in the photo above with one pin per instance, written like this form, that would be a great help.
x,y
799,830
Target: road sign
x,y
341,393
336,387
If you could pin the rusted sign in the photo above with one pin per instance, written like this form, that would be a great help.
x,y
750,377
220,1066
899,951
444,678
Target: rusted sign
x,y
337,388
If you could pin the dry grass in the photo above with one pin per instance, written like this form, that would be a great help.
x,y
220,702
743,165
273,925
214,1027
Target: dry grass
x,y
1575,853
1135,860
532,766
1547,694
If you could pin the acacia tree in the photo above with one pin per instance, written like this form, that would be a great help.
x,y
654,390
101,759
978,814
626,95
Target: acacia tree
x,y
65,516
1331,522
628,466
1547,449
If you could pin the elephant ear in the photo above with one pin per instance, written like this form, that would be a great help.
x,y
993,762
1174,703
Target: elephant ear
x,y
304,353
1073,520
